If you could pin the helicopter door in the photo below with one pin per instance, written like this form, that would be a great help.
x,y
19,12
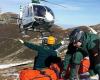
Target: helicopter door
x,y
27,16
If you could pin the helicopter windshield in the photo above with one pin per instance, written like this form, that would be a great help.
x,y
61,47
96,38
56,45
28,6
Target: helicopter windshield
x,y
49,10
39,10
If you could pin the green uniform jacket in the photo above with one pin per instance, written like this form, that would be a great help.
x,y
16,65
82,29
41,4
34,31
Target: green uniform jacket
x,y
90,45
44,51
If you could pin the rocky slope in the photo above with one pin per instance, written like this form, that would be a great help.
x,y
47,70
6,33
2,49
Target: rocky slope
x,y
11,51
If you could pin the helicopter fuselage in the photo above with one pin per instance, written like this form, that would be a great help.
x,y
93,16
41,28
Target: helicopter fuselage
x,y
36,16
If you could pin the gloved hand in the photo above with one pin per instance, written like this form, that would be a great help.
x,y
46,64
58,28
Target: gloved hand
x,y
21,41
62,42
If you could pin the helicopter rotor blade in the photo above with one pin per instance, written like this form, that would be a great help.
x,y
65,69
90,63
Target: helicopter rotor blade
x,y
54,3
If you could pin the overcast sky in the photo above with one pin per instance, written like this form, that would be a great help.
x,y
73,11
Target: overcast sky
x,y
77,12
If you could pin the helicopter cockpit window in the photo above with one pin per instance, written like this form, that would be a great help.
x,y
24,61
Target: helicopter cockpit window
x,y
49,10
27,11
39,10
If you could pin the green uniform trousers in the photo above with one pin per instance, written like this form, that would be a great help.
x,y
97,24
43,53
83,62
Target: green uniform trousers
x,y
73,60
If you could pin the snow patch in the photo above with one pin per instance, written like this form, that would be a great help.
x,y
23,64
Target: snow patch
x,y
3,66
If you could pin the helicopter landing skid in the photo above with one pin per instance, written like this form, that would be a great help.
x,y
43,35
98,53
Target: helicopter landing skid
x,y
44,33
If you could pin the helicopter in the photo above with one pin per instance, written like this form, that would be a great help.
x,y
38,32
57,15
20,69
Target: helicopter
x,y
36,17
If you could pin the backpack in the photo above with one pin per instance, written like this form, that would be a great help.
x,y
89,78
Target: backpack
x,y
29,74
84,66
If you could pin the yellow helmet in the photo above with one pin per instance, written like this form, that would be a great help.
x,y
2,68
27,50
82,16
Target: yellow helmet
x,y
51,40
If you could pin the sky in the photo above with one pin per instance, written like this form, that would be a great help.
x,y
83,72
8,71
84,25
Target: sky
x,y
74,12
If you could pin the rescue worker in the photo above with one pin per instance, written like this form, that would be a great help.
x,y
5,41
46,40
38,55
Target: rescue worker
x,y
82,44
44,51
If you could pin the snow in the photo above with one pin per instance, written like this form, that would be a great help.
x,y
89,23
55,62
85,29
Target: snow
x,y
3,66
